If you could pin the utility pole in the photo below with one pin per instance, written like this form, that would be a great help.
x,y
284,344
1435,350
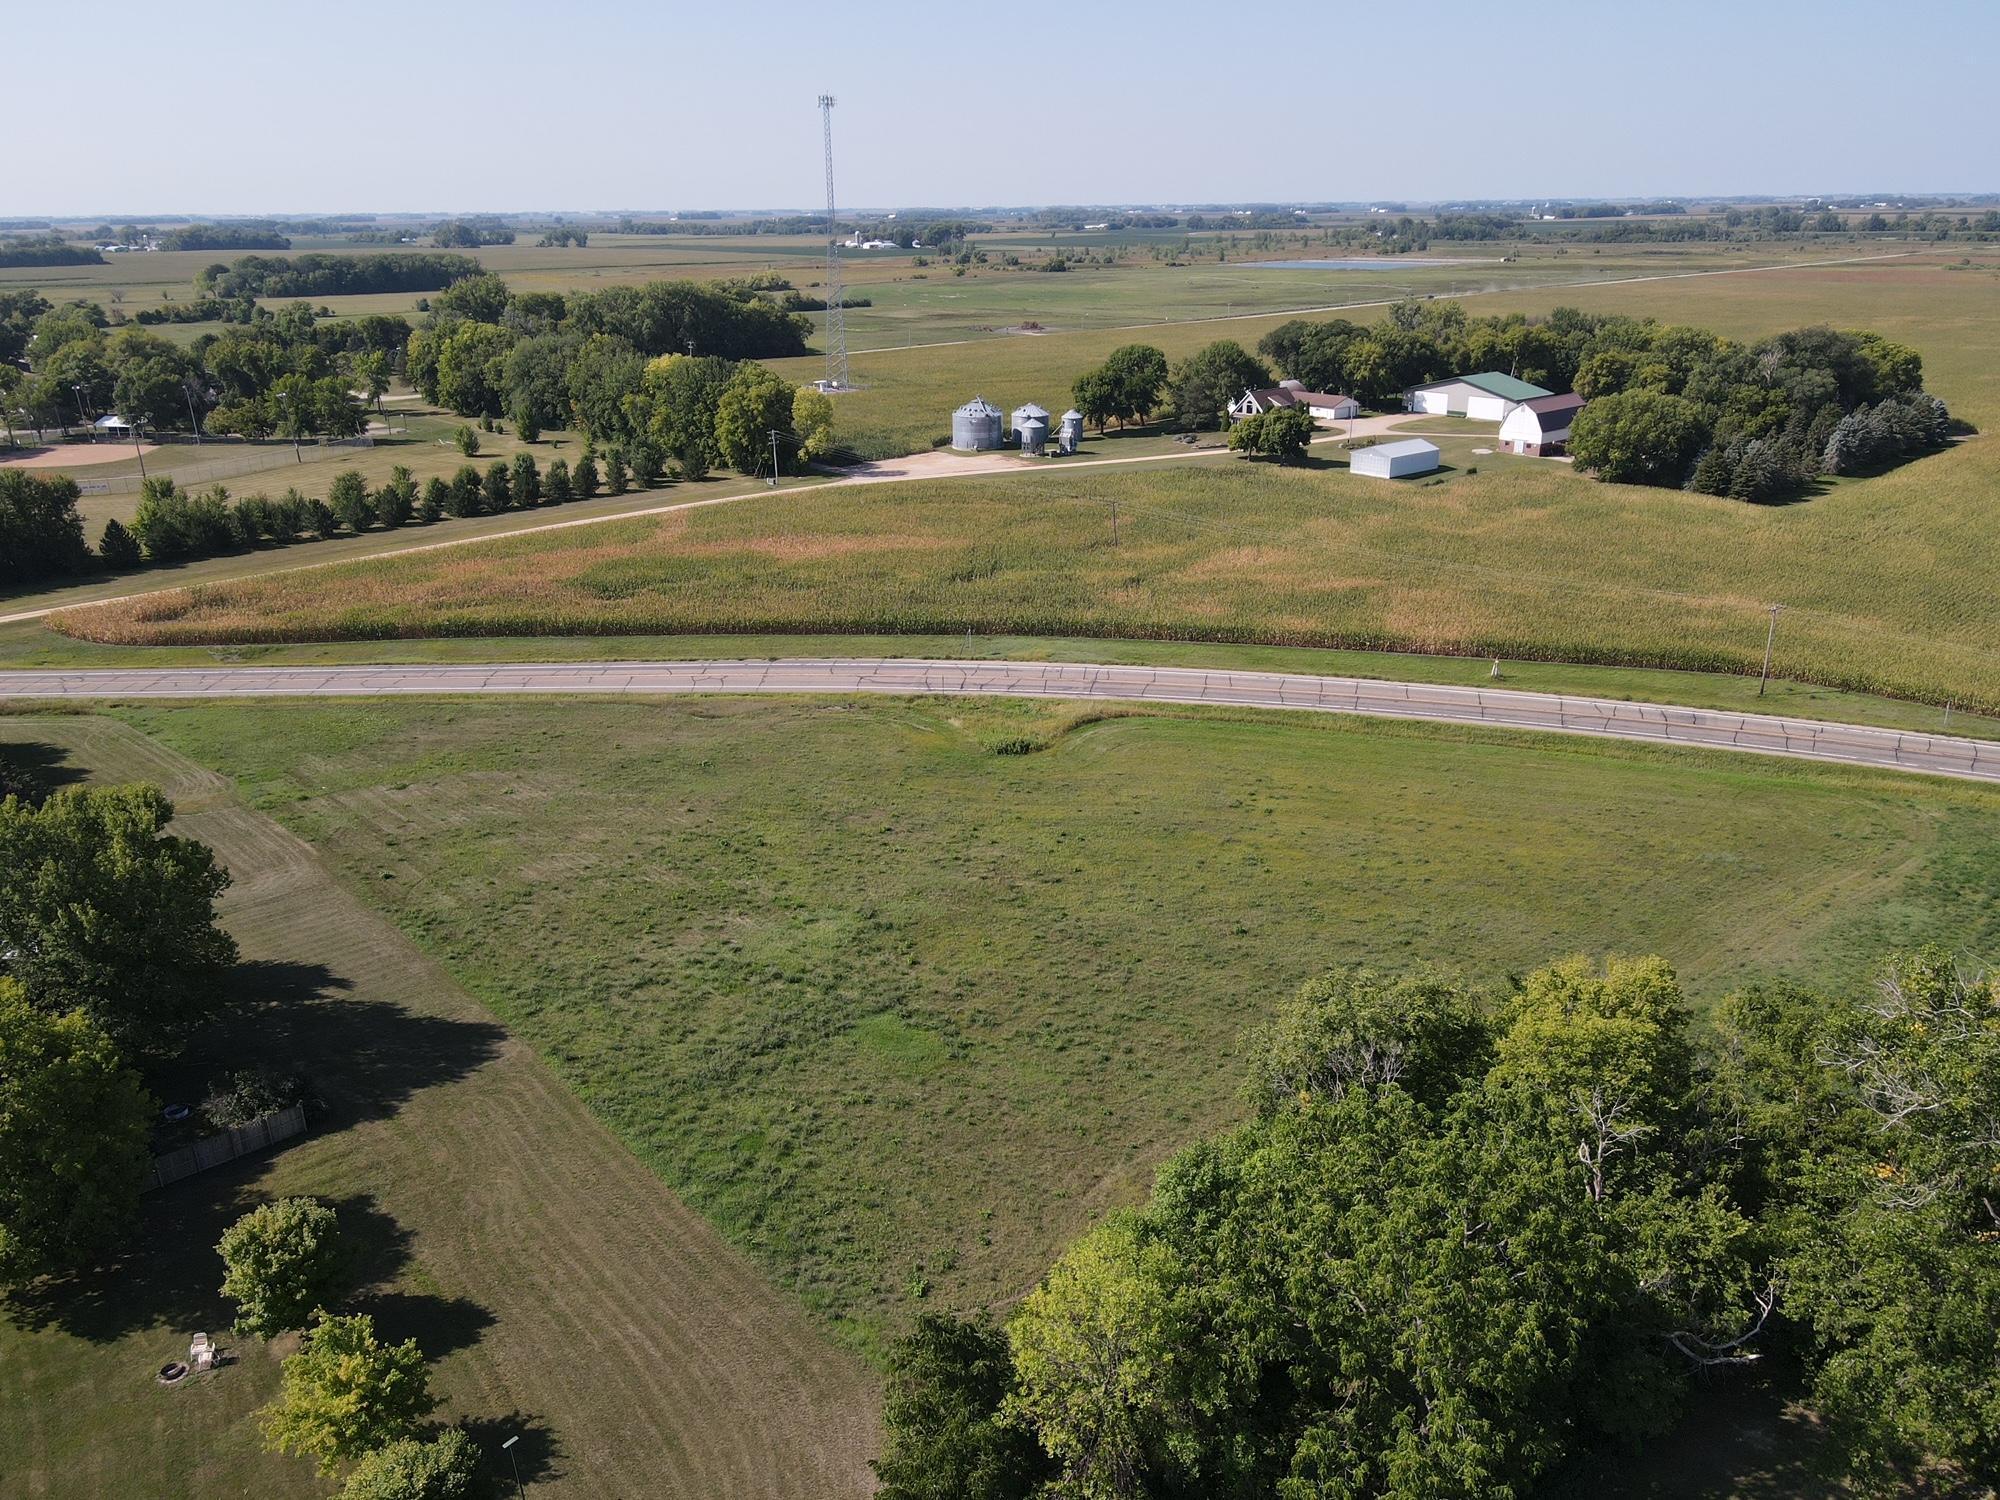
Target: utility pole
x,y
138,452
774,458
1114,520
193,420
1770,637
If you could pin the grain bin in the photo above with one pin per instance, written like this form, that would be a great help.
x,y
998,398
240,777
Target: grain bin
x,y
975,426
1022,414
1034,434
1071,431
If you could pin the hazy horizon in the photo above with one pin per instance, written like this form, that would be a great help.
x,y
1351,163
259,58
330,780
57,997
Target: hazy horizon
x,y
226,108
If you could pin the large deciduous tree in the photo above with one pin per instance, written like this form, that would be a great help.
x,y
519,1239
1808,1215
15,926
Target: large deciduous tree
x,y
1639,437
107,913
282,1261
346,1392
73,1134
752,406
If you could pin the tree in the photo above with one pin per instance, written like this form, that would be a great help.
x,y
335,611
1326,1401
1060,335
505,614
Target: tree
x,y
117,548
444,1468
396,501
107,913
1105,1380
463,497
755,403
346,1392
947,1435
1880,1114
812,422
1202,385
526,481
73,1139
601,375
472,369
436,503
496,490
41,532
348,499
1639,437
556,486
1283,433
586,477
371,372
1125,388
282,1260
616,477
467,440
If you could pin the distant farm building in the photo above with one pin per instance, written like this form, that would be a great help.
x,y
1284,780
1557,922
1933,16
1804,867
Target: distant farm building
x,y
975,426
1540,428
1033,433
1071,431
1488,397
1323,406
1395,460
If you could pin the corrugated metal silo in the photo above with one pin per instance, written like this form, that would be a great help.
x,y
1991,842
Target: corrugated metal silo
x,y
1071,431
1022,414
976,426
1034,433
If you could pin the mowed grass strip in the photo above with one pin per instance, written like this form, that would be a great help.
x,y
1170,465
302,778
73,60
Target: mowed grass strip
x,y
562,1292
901,1013
1884,581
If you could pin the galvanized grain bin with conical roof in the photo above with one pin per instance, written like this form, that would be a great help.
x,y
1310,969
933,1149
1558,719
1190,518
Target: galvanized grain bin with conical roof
x,y
976,426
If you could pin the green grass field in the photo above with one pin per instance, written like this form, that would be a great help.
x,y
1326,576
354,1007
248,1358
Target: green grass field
x,y
561,1292
900,1013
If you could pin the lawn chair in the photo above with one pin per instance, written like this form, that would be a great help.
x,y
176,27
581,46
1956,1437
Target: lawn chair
x,y
201,1353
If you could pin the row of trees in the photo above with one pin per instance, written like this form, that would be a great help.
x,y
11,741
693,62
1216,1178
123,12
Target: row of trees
x,y
1464,1245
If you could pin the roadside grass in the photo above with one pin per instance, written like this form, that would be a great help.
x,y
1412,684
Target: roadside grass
x,y
561,1292
1883,581
264,562
901,1013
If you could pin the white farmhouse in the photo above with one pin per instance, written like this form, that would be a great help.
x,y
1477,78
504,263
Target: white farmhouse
x,y
1487,397
1394,460
1323,405
1540,428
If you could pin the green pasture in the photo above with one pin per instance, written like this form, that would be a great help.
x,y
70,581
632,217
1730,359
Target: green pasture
x,y
901,1011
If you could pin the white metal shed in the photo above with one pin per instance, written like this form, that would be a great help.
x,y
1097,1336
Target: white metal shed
x,y
1395,460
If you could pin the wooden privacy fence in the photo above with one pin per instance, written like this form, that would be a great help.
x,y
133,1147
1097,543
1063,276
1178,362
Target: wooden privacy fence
x,y
266,1130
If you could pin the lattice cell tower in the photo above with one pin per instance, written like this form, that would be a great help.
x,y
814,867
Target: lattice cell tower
x,y
836,311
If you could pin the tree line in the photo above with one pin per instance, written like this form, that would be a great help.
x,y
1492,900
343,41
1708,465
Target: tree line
x,y
662,366
1481,1244
46,250
324,275
275,373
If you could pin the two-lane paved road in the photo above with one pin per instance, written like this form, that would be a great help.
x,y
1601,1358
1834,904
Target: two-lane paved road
x,y
1710,729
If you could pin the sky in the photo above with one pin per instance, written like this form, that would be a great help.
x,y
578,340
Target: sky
x,y
216,107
